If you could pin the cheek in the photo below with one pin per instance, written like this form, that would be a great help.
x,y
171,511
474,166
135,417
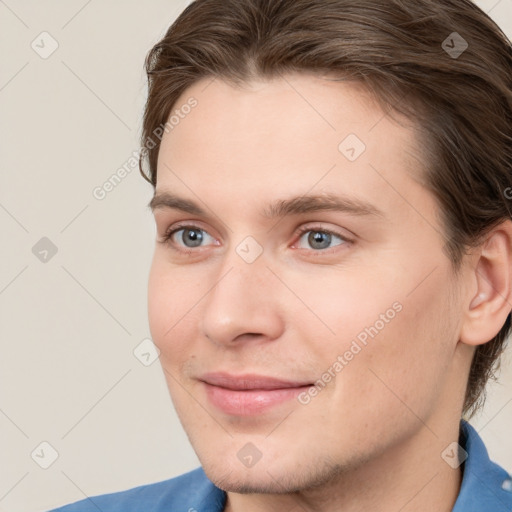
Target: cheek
x,y
169,309
398,344
406,365
160,301
343,305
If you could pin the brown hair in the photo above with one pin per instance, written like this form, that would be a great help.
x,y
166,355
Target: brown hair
x,y
406,53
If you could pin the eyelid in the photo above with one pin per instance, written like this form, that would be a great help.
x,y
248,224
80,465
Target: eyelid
x,y
171,230
318,227
299,232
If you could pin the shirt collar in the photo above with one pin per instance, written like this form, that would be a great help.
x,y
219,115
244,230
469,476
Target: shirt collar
x,y
485,485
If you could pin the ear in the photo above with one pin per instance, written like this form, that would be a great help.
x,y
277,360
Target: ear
x,y
490,299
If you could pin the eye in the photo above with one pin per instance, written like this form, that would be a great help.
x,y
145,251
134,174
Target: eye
x,y
320,239
187,237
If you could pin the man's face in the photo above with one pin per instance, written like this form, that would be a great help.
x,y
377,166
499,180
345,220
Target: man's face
x,y
360,299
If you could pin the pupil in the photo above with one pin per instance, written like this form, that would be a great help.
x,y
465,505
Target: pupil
x,y
316,238
194,236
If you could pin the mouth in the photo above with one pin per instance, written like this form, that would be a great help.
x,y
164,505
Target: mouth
x,y
249,394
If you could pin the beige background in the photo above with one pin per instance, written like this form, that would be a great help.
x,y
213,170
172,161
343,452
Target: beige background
x,y
69,326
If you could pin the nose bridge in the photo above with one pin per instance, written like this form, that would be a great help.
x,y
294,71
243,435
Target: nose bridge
x,y
241,301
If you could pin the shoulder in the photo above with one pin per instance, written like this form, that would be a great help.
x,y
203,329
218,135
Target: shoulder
x,y
188,492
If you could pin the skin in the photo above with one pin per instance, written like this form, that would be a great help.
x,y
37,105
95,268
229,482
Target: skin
x,y
372,437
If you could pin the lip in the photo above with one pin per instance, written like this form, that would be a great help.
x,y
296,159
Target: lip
x,y
249,394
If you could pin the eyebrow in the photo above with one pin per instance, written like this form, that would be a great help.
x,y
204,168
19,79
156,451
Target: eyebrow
x,y
293,206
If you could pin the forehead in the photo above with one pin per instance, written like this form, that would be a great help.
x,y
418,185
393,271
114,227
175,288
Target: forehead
x,y
295,133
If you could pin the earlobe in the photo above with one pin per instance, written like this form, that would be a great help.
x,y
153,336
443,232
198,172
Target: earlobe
x,y
491,303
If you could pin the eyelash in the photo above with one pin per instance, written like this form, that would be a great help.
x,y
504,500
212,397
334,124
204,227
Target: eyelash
x,y
320,229
166,239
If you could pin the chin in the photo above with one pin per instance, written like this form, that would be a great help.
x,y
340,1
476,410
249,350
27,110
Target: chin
x,y
271,477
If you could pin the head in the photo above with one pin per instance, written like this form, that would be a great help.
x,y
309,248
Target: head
x,y
329,212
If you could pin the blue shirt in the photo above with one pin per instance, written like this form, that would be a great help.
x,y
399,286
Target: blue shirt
x,y
486,487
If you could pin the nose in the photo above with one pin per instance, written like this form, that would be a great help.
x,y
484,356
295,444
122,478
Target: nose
x,y
243,304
